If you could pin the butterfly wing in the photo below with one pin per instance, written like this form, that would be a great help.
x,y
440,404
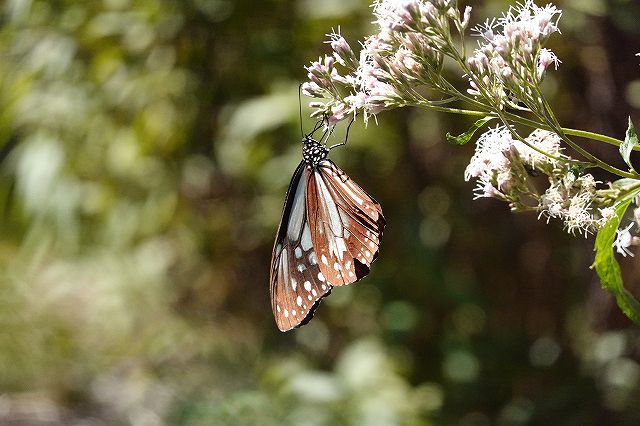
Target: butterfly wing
x,y
346,224
296,282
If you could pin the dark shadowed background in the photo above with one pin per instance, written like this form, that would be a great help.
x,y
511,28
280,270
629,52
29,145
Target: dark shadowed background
x,y
145,148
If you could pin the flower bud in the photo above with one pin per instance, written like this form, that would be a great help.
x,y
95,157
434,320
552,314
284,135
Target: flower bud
x,y
312,90
380,61
338,112
409,15
429,14
343,52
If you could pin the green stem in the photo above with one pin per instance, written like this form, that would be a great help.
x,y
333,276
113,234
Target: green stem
x,y
595,136
529,123
429,105
569,131
551,120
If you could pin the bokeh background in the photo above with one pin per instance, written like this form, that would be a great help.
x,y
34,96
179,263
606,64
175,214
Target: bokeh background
x,y
145,147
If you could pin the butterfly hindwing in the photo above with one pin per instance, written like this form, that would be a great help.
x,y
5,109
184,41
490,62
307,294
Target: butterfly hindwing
x,y
346,224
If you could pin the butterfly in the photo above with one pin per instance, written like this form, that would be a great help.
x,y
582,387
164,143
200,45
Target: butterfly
x,y
328,236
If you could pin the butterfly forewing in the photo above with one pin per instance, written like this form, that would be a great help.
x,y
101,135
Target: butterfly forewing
x,y
346,225
296,282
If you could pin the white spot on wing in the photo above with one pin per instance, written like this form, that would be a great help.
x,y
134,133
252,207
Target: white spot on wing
x,y
341,247
299,301
312,258
329,206
294,284
284,264
320,276
298,252
297,212
324,259
307,285
305,241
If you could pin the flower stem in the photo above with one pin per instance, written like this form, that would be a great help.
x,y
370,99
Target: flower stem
x,y
534,124
596,137
551,120
569,131
529,123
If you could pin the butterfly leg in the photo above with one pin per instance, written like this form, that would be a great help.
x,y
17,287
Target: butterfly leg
x,y
328,130
346,136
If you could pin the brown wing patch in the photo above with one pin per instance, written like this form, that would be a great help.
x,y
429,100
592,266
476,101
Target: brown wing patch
x,y
297,286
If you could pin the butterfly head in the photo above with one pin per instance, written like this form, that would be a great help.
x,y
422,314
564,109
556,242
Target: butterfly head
x,y
313,152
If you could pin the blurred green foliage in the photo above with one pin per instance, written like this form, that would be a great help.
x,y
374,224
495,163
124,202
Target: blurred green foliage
x,y
145,148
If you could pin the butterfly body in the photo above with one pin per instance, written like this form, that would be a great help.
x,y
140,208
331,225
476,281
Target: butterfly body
x,y
328,236
313,152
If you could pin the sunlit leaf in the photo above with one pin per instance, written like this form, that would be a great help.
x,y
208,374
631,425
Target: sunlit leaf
x,y
624,184
466,136
607,266
630,142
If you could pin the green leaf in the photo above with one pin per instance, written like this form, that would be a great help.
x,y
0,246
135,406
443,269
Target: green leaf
x,y
607,266
624,184
466,136
630,142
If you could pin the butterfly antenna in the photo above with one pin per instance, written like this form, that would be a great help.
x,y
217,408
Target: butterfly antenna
x,y
346,136
300,108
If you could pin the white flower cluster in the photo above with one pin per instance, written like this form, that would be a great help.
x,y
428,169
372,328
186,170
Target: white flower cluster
x,y
503,165
491,164
624,240
499,160
413,37
548,150
571,200
406,52
624,237
510,61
